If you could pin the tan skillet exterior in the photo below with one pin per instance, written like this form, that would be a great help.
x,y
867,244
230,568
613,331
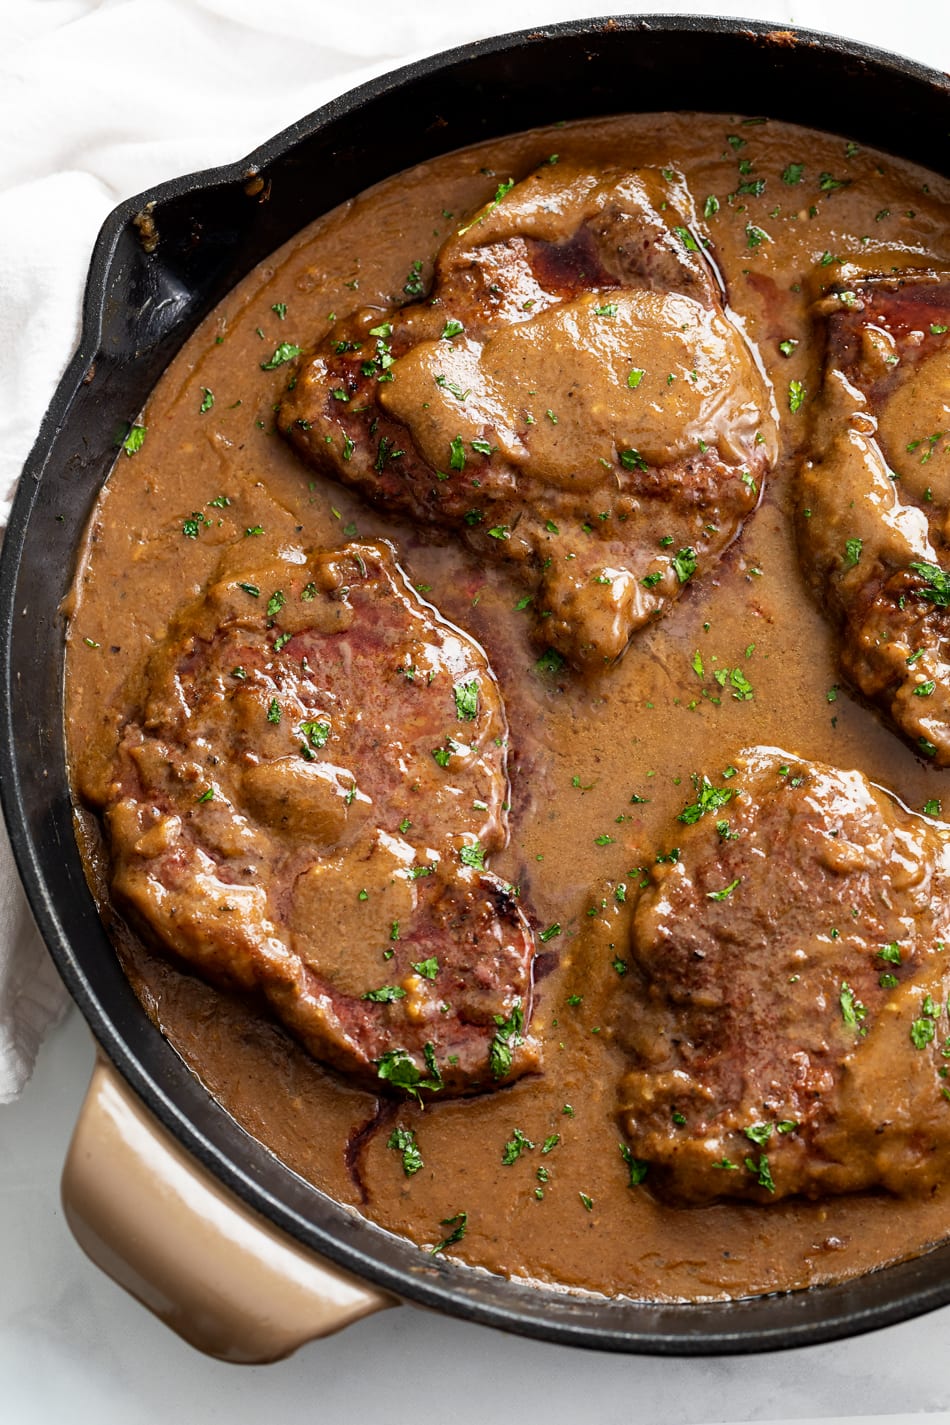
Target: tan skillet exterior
x,y
214,1271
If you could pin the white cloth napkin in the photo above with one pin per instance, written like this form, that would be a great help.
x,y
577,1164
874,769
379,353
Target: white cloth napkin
x,y
100,99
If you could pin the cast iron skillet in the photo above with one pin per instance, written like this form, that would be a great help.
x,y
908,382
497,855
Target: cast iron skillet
x,y
139,308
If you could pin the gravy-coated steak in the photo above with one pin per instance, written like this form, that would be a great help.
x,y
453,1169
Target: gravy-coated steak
x,y
572,397
789,973
302,809
874,496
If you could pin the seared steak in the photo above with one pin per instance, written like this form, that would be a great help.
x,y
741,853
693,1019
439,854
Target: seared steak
x,y
786,1006
873,506
572,397
304,802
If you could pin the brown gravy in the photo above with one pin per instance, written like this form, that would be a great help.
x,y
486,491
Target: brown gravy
x,y
578,756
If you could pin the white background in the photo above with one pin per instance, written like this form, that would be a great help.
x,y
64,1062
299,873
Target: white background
x,y
96,101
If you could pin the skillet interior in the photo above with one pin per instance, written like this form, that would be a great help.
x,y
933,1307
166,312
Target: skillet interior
x,y
138,311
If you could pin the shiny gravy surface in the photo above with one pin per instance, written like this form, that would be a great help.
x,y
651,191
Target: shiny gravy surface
x,y
600,765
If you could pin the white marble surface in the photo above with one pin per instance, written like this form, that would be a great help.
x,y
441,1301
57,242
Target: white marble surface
x,y
73,1347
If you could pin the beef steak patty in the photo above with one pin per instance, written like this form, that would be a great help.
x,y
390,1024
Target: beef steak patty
x,y
873,500
302,807
572,398
786,1006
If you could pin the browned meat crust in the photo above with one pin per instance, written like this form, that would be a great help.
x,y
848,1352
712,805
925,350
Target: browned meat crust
x,y
873,504
572,398
786,1010
302,809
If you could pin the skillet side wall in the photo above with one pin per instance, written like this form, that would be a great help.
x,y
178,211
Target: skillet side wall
x,y
138,311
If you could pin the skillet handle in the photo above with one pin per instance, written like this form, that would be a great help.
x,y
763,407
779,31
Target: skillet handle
x,y
159,1224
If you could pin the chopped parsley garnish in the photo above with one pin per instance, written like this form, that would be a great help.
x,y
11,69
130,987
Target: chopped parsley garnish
x,y
501,192
385,453
459,1223
316,733
793,173
273,712
796,396
192,526
282,354
550,933
452,328
684,563
635,377
135,439
508,1035
466,700
608,309
852,1010
711,206
473,855
207,400
587,1201
761,1171
442,755
687,239
251,589
457,456
275,603
922,1031
638,1168
413,285
852,552
428,969
550,662
631,459
514,1148
726,891
759,1133
386,994
937,587
932,808
398,1069
403,1140
453,387
708,798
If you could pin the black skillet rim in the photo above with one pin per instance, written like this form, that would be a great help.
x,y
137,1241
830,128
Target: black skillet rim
x,y
159,1077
